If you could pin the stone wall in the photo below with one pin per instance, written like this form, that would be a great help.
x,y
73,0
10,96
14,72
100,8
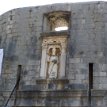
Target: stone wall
x,y
20,32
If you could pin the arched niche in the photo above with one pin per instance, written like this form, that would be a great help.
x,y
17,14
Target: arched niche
x,y
53,57
57,21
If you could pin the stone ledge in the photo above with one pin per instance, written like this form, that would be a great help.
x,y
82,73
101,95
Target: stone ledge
x,y
52,84
45,81
53,94
55,33
57,93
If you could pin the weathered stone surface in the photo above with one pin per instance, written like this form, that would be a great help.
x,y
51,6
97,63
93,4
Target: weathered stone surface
x,y
20,37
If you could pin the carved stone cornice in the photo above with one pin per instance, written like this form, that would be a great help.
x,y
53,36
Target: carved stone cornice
x,y
64,33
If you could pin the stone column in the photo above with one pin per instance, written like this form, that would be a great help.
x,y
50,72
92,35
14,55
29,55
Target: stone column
x,y
62,61
43,62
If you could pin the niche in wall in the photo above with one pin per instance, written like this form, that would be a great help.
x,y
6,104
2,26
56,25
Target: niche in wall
x,y
56,21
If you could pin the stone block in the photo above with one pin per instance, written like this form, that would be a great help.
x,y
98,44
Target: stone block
x,y
80,76
104,74
75,60
77,86
102,86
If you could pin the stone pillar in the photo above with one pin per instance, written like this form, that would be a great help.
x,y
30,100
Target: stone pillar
x,y
43,62
62,61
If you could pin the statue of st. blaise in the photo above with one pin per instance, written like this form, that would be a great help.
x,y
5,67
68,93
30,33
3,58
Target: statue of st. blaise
x,y
53,63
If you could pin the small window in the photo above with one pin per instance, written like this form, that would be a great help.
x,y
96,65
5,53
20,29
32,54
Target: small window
x,y
1,59
61,28
90,75
11,17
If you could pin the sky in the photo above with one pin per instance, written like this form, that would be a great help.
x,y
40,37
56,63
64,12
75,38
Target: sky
x,y
6,5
